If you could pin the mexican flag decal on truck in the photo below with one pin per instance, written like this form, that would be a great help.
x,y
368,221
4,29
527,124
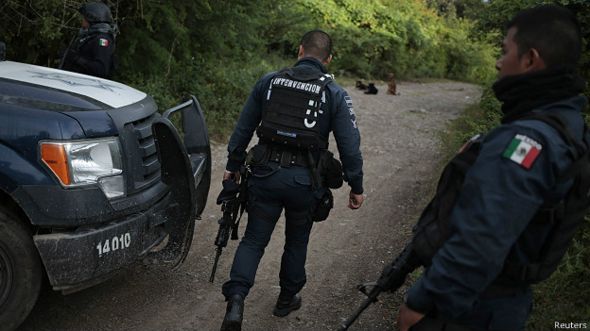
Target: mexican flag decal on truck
x,y
523,150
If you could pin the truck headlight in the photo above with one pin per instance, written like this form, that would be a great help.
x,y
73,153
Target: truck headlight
x,y
77,163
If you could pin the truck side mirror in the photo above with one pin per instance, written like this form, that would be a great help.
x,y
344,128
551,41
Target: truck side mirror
x,y
2,51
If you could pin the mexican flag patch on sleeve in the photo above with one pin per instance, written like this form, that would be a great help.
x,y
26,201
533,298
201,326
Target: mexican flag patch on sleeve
x,y
523,150
103,42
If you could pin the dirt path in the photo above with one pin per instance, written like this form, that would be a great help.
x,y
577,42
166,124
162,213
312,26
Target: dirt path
x,y
400,147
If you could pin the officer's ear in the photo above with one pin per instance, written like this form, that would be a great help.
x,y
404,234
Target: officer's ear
x,y
328,60
532,61
301,52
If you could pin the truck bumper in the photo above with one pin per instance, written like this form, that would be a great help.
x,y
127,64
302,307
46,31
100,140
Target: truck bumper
x,y
77,260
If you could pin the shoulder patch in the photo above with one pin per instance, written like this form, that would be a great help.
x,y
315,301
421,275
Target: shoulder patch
x,y
348,100
103,42
523,150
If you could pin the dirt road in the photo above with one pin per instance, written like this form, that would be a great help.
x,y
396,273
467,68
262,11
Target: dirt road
x,y
401,150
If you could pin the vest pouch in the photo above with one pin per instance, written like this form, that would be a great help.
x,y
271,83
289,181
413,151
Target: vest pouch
x,y
322,205
330,170
258,155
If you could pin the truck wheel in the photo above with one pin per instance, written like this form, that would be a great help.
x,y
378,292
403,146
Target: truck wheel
x,y
20,271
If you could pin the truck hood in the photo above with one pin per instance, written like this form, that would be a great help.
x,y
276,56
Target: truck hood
x,y
105,91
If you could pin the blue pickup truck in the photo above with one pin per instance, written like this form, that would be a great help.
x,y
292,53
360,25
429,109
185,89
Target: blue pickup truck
x,y
92,179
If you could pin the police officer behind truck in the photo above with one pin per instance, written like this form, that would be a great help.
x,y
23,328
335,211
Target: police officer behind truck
x,y
293,112
509,224
92,53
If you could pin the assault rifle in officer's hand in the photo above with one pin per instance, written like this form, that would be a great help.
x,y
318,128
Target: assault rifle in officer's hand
x,y
229,221
392,277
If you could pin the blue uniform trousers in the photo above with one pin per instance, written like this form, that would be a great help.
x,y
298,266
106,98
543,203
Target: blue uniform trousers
x,y
270,191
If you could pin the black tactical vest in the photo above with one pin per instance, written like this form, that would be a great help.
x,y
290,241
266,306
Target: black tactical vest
x,y
291,109
564,217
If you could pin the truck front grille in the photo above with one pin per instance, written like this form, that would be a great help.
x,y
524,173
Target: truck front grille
x,y
141,153
147,146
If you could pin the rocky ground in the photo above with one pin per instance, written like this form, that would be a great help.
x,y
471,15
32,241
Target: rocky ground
x,y
401,151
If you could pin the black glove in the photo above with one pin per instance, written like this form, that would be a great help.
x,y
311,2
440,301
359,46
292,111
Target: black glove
x,y
230,191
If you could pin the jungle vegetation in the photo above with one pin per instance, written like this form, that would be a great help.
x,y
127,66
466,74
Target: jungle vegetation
x,y
216,50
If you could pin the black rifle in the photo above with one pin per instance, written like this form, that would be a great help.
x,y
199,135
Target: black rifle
x,y
232,199
392,277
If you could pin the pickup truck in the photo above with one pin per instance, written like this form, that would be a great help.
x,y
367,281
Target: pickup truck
x,y
92,179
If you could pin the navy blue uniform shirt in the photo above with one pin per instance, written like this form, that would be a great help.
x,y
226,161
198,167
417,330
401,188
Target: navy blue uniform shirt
x,y
92,54
337,115
491,217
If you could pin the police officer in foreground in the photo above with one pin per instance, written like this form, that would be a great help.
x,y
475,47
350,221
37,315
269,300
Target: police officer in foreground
x,y
292,112
509,224
92,53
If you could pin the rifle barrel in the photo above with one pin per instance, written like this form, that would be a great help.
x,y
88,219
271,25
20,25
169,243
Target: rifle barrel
x,y
366,303
217,255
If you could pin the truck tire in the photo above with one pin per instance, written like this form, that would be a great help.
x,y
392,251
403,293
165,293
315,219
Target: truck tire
x,y
20,271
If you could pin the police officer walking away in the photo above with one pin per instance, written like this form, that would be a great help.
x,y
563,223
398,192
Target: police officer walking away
x,y
522,195
293,112
92,53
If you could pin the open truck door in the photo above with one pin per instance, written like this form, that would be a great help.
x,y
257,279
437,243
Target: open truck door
x,y
186,169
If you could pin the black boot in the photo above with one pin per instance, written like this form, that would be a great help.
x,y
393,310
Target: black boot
x,y
233,314
285,306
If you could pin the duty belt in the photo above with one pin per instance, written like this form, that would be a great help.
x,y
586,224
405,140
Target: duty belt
x,y
288,158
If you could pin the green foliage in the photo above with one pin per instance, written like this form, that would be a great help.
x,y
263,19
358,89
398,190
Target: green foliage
x,y
404,37
496,14
477,119
217,49
211,49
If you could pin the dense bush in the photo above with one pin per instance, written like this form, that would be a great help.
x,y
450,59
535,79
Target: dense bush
x,y
217,49
403,37
495,13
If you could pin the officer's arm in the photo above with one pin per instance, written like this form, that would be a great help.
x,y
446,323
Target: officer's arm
x,y
100,63
247,123
348,140
498,199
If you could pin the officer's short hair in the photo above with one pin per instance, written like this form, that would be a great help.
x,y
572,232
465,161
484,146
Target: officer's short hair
x,y
317,43
552,30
